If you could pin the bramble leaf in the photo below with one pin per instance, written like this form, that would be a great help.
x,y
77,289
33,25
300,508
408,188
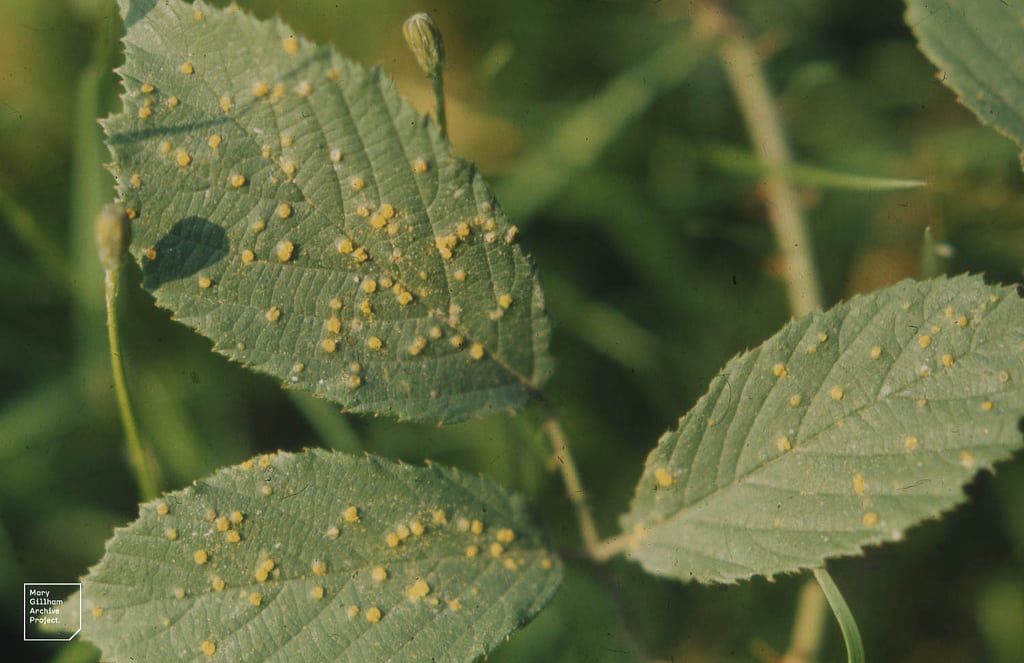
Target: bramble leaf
x,y
320,556
979,50
294,209
841,431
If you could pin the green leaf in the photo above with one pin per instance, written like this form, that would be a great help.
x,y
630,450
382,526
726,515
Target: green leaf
x,y
841,431
979,50
413,578
297,211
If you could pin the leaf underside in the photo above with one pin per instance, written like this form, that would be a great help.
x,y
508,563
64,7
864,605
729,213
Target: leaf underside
x,y
979,50
150,598
294,209
841,431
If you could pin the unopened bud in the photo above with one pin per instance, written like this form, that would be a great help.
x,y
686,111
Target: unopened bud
x,y
113,234
424,39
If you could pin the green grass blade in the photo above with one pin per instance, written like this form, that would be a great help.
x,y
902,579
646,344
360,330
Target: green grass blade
x,y
847,624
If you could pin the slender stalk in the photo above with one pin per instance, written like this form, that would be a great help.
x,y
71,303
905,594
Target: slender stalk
x,y
760,113
847,624
566,466
144,475
442,117
808,626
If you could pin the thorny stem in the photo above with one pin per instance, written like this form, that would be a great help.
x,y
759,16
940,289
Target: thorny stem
x,y
145,475
761,115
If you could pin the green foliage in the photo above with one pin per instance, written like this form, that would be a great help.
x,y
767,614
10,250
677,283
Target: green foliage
x,y
294,209
842,430
979,49
320,556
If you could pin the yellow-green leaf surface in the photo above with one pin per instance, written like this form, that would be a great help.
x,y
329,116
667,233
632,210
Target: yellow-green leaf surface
x,y
842,430
293,208
978,47
320,556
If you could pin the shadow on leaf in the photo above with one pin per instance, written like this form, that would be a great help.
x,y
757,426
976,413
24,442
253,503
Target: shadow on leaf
x,y
192,244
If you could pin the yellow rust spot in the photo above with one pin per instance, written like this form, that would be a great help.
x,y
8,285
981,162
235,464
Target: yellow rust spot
x,y
237,180
924,341
351,514
260,89
462,524
145,112
417,528
225,103
459,275
335,303
263,570
318,567
948,360
403,532
151,254
214,141
440,517
147,88
266,490
256,599
217,583
374,343
187,68
97,612
290,45
284,250
332,533
344,245
179,593
172,102
284,210
352,611
404,298
171,534
248,256
165,147
162,509
968,460
962,321
870,519
779,370
182,157
373,614
420,166
333,324
258,226
510,564
875,352
200,557
783,444
418,590
417,346
232,536
135,181
454,605
336,155
288,166
911,442
329,345
794,400
663,477
837,393
208,647
237,517
366,308
858,484
505,535
357,183
476,351
505,301
211,514
476,527
987,406
496,549
205,282
273,314
472,551
392,540
387,210
379,574
370,286
360,255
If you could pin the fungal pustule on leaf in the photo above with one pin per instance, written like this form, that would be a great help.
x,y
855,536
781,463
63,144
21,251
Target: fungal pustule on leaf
x,y
418,590
373,614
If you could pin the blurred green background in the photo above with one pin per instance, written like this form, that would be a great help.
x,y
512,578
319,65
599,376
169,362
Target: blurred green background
x,y
614,141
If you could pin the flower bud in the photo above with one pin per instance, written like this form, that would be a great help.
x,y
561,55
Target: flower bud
x,y
113,234
424,39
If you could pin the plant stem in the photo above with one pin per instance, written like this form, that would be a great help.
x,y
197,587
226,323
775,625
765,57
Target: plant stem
x,y
145,476
573,486
442,116
760,113
808,626
847,624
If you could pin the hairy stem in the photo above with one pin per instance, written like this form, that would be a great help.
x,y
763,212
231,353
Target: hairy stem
x,y
761,115
573,486
142,467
